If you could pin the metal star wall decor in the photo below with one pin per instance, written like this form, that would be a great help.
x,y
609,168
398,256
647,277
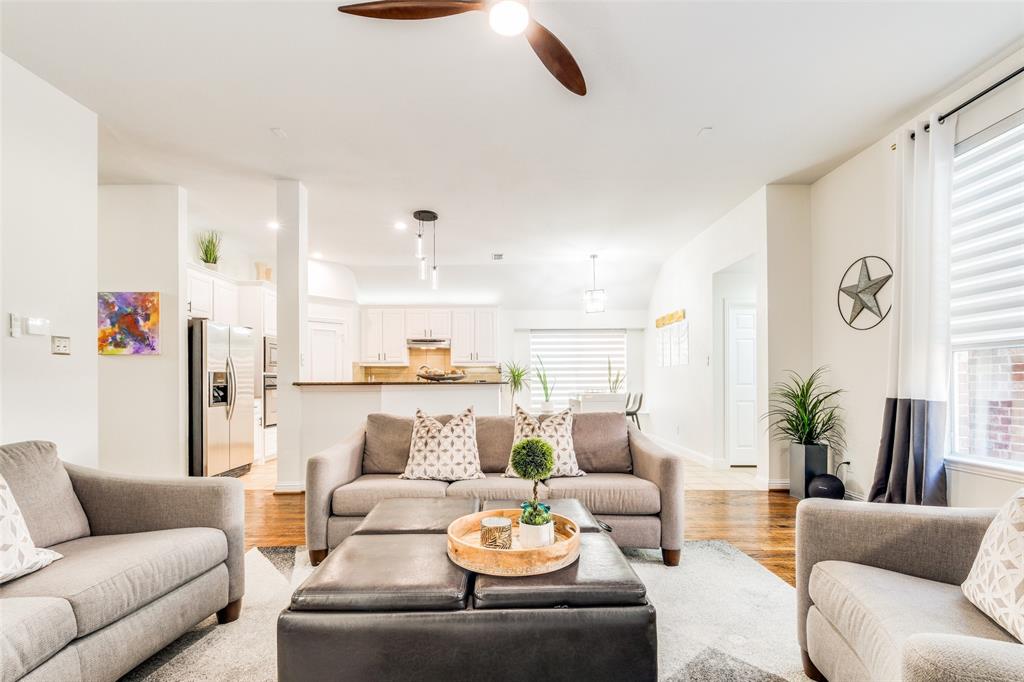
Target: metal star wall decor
x,y
862,289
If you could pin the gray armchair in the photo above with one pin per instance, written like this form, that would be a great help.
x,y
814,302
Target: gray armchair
x,y
878,595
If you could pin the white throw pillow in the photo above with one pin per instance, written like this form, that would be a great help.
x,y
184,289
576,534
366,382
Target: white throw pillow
x,y
996,581
557,431
18,554
443,453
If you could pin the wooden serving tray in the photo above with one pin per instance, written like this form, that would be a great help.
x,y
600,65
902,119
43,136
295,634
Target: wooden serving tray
x,y
464,547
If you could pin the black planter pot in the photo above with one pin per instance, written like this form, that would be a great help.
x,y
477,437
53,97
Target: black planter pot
x,y
805,462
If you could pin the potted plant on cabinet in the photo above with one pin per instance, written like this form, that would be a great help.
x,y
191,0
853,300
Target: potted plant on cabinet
x,y
517,377
209,249
546,385
532,460
804,413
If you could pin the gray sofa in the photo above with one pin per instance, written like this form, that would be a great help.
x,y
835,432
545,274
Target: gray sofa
x,y
878,595
144,561
632,484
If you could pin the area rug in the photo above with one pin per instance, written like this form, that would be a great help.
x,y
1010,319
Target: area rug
x,y
721,617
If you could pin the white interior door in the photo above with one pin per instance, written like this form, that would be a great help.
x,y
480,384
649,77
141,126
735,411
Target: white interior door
x,y
741,385
327,342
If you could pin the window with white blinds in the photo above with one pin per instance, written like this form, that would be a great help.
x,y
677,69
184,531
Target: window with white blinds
x,y
987,293
576,361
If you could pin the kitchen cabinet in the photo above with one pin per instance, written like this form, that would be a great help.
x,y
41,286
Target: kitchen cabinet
x,y
383,336
428,323
200,294
270,313
474,338
225,302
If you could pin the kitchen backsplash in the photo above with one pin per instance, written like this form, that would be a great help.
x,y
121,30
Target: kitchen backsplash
x,y
438,358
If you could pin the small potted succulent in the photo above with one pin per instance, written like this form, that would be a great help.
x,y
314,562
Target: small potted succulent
x,y
532,460
209,249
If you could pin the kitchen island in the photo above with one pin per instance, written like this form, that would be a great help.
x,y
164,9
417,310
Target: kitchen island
x,y
333,409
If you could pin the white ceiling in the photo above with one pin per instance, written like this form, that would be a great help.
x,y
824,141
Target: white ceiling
x,y
386,117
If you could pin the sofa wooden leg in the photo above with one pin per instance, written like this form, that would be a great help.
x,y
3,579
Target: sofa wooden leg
x,y
671,556
810,669
316,556
230,613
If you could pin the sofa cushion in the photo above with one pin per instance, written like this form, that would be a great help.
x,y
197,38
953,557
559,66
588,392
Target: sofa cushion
x,y
601,441
106,577
43,491
359,497
610,493
876,610
496,487
388,437
494,441
34,629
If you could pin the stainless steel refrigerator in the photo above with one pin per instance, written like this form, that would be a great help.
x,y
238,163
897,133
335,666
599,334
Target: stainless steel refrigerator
x,y
221,377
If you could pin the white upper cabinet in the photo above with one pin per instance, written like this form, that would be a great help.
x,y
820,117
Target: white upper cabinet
x,y
384,338
200,294
439,324
416,323
474,335
486,335
225,302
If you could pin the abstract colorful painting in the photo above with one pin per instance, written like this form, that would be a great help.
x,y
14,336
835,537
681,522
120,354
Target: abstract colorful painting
x,y
129,322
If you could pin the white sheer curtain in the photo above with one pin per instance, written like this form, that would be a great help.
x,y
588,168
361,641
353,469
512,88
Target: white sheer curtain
x,y
910,457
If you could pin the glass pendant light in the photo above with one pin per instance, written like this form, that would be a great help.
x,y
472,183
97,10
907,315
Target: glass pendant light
x,y
593,299
423,269
434,278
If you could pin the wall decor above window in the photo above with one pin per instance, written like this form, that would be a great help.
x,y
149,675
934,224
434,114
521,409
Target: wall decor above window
x,y
864,297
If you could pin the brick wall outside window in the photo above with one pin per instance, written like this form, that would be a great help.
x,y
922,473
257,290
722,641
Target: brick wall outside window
x,y
988,410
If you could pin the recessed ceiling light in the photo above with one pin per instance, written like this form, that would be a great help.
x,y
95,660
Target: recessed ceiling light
x,y
318,255
280,132
705,131
400,225
274,225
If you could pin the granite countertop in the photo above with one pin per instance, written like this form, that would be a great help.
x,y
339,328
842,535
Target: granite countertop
x,y
400,383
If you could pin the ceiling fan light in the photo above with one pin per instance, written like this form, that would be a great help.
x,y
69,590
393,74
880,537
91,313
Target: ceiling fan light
x,y
509,17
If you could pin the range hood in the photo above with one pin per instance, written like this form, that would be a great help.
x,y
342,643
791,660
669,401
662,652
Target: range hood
x,y
428,343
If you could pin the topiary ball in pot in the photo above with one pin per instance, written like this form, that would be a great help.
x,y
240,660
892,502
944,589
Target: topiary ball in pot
x,y
533,459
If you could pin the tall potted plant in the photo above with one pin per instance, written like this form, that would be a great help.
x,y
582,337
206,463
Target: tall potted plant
x,y
532,460
804,412
209,248
517,377
547,385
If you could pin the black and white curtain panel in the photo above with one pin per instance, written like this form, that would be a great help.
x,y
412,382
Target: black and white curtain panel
x,y
910,467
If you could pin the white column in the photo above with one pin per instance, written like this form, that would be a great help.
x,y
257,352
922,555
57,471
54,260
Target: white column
x,y
292,328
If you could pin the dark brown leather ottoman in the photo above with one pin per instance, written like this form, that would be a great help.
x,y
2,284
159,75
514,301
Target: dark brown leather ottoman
x,y
392,606
570,508
416,515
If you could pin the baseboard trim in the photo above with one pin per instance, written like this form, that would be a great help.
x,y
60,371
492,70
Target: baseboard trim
x,y
289,488
682,450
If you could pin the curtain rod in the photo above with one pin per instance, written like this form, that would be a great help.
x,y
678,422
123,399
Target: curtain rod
x,y
972,100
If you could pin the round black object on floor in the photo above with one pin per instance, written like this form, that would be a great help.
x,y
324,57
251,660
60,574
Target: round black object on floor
x,y
826,485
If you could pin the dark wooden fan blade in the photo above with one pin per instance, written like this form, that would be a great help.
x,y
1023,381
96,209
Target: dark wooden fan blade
x,y
556,57
410,9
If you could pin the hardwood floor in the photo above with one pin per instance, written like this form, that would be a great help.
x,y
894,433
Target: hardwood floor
x,y
761,524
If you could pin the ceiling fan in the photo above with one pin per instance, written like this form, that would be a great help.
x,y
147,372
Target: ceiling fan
x,y
507,17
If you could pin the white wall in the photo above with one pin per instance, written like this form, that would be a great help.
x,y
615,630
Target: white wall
x,y
853,215
48,264
143,399
681,400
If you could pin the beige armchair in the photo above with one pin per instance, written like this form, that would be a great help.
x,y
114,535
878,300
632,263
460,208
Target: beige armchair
x,y
878,595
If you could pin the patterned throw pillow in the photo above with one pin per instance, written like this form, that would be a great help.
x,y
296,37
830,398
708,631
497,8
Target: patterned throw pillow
x,y
18,554
557,431
443,453
996,581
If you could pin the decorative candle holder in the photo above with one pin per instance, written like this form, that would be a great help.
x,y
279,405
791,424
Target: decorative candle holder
x,y
496,532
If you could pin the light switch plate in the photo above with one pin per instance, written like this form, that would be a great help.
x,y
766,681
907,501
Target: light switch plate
x,y
15,325
60,345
